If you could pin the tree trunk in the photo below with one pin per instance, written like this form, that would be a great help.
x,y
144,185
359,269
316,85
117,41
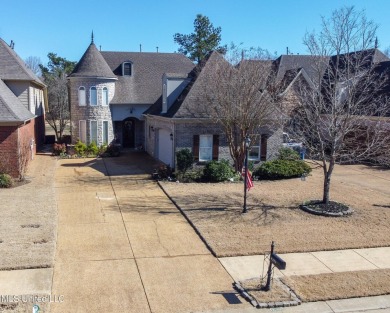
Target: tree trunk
x,y
327,177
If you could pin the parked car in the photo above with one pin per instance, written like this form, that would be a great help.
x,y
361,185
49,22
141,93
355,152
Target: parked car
x,y
291,143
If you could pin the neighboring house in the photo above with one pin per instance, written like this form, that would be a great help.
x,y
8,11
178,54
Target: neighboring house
x,y
22,112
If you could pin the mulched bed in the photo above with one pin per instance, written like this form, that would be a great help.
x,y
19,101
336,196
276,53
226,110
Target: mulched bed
x,y
333,208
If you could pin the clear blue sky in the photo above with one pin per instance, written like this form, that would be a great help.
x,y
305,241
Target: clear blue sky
x,y
64,27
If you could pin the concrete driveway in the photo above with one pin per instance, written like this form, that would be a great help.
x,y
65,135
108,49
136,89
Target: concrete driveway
x,y
122,246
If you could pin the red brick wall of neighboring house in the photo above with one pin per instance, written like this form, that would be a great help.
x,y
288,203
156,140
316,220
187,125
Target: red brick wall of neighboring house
x,y
9,150
26,138
14,139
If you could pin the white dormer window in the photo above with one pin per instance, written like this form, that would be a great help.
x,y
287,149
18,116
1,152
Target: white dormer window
x,y
82,101
105,96
93,96
127,69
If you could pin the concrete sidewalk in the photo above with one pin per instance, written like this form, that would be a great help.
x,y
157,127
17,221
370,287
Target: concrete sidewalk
x,y
311,263
246,267
124,247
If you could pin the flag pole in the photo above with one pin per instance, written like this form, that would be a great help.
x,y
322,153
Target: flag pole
x,y
246,144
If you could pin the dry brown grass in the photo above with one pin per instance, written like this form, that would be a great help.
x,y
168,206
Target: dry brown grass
x,y
215,210
340,285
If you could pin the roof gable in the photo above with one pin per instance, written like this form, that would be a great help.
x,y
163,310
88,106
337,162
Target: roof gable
x,y
12,67
11,108
187,104
314,66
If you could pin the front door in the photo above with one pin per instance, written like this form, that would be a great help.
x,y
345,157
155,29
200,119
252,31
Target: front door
x,y
128,129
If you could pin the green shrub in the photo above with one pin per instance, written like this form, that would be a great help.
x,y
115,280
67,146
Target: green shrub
x,y
282,169
217,171
184,159
288,154
80,148
92,149
190,176
6,181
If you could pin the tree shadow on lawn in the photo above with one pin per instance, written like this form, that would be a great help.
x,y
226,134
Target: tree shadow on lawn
x,y
230,210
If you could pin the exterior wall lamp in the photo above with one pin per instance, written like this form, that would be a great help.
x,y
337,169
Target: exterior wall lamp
x,y
171,135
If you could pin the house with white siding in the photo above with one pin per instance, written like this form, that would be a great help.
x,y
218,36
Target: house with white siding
x,y
22,111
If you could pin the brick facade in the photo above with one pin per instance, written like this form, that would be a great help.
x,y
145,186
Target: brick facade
x,y
15,140
184,136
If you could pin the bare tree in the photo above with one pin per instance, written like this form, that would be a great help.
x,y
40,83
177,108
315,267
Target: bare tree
x,y
58,115
33,64
342,112
54,75
25,155
239,96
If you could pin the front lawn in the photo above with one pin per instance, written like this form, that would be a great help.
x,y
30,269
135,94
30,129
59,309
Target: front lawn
x,y
215,210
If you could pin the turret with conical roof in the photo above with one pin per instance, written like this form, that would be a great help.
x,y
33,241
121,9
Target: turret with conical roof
x,y
91,89
93,65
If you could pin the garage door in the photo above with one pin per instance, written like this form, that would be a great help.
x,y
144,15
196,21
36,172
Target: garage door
x,y
165,146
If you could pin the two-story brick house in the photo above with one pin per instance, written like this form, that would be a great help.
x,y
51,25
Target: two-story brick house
x,y
142,100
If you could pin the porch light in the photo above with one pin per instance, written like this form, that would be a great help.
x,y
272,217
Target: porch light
x,y
171,135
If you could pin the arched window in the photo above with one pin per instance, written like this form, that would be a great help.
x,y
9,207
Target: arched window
x,y
105,96
127,69
93,96
82,96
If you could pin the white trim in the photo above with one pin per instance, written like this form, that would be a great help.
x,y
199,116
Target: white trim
x,y
131,68
90,131
210,148
79,98
90,96
105,98
85,131
259,153
103,132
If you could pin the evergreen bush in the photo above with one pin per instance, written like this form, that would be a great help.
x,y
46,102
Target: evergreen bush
x,y
6,181
282,169
217,171
80,148
184,159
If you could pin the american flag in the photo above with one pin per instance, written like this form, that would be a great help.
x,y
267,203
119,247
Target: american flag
x,y
249,182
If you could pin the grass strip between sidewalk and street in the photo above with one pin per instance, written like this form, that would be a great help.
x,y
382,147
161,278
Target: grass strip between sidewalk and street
x,y
333,286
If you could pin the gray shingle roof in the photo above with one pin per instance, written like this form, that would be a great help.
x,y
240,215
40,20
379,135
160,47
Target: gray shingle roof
x,y
12,67
92,64
311,64
187,104
11,108
145,84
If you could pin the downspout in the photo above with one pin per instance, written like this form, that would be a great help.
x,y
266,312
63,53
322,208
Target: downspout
x,y
174,146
